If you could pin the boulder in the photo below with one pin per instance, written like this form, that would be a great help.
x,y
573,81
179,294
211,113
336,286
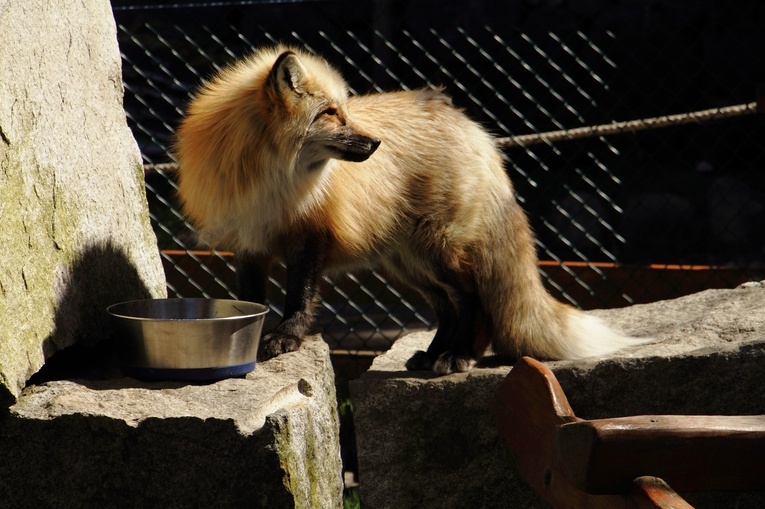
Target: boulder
x,y
268,440
426,441
77,238
75,222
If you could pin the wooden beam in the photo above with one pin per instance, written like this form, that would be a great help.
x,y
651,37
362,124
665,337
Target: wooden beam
x,y
654,493
691,453
528,408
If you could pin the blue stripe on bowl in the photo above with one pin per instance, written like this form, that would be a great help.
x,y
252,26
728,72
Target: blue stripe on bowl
x,y
188,373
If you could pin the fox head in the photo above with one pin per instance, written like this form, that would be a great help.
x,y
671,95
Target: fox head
x,y
308,106
258,135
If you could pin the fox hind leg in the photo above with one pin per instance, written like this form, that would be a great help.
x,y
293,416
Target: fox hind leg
x,y
453,346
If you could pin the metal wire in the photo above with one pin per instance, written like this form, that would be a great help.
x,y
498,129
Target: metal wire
x,y
615,202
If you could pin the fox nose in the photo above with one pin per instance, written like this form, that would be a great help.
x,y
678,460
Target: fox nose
x,y
369,149
359,148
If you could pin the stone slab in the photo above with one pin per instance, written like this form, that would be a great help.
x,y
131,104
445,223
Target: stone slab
x,y
426,441
267,440
75,222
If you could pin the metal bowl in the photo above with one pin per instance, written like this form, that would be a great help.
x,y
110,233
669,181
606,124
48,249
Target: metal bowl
x,y
187,339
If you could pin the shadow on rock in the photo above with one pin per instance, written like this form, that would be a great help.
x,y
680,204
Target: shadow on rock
x,y
79,346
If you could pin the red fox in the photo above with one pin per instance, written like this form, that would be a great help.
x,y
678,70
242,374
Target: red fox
x,y
277,160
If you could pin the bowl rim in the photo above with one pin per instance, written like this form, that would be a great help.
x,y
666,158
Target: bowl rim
x,y
110,310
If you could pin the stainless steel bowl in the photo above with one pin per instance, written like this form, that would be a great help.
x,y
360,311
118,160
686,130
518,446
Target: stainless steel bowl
x,y
187,339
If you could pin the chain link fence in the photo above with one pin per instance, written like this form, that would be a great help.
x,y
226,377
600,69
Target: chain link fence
x,y
622,216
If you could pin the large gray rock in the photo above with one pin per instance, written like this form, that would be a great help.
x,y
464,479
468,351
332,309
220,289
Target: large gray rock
x,y
76,237
424,441
75,224
268,440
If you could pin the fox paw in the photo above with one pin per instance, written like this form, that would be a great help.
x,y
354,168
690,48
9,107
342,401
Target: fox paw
x,y
275,343
449,362
420,361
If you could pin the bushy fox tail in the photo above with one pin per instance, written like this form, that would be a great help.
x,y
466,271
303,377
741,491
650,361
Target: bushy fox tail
x,y
546,329
589,336
525,319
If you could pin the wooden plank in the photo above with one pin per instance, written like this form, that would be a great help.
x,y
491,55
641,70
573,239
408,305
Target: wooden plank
x,y
691,453
610,282
596,285
528,408
653,493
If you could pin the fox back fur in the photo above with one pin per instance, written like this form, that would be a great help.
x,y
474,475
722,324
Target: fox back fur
x,y
276,159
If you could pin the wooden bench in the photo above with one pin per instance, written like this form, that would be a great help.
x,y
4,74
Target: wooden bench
x,y
625,462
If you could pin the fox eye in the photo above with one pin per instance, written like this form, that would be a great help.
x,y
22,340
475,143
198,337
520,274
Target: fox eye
x,y
326,112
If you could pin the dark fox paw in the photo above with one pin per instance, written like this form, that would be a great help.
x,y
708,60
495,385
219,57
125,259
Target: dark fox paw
x,y
449,362
446,363
274,344
419,362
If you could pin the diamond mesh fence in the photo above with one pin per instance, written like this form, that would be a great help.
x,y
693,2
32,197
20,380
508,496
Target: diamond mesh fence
x,y
621,216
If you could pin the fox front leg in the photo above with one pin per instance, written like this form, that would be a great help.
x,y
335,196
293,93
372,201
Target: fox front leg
x,y
252,276
303,273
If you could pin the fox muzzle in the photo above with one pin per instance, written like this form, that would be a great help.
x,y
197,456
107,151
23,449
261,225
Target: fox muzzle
x,y
357,148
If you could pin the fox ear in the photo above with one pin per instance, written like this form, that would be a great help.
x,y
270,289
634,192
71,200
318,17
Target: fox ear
x,y
288,75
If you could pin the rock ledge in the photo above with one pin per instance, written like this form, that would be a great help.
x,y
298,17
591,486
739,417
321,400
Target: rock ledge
x,y
425,441
267,440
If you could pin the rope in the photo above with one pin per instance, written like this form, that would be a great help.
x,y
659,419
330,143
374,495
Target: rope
x,y
630,126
